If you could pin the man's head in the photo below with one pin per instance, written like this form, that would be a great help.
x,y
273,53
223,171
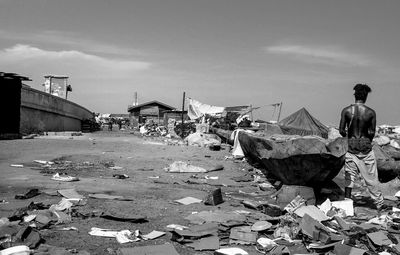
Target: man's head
x,y
361,92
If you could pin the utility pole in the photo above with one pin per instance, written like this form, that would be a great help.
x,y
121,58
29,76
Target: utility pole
x,y
183,109
251,113
280,109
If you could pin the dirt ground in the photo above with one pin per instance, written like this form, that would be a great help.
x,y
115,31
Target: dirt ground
x,y
90,157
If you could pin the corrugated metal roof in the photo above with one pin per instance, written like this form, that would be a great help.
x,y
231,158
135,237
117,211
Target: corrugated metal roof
x,y
56,76
13,76
130,108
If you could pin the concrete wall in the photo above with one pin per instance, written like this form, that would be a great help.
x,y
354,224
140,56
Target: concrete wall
x,y
42,112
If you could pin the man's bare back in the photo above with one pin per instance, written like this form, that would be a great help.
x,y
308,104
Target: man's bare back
x,y
360,121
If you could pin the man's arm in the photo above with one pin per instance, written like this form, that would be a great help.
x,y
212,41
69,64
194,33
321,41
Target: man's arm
x,y
343,123
372,128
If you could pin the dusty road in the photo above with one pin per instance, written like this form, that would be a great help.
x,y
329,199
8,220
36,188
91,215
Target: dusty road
x,y
152,189
141,159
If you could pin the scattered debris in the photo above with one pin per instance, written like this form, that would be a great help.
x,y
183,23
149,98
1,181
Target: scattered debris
x,y
68,178
111,197
116,167
188,200
183,167
122,216
44,162
16,250
70,194
31,193
243,235
261,226
230,251
17,165
165,249
121,176
153,235
123,236
214,197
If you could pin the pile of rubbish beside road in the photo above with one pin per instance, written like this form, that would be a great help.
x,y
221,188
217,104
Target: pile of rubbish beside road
x,y
173,130
288,222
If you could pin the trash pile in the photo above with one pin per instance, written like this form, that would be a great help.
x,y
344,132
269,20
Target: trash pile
x,y
68,171
390,144
287,221
297,227
172,130
387,153
21,231
203,140
152,129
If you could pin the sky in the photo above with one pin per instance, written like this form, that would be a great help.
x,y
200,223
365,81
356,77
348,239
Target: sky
x,y
304,53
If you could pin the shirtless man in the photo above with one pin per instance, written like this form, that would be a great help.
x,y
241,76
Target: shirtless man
x,y
360,121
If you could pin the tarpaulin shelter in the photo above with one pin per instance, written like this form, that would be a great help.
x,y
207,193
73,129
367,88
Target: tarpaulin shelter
x,y
197,109
303,123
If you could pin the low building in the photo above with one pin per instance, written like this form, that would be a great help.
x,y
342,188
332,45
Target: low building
x,y
153,110
176,115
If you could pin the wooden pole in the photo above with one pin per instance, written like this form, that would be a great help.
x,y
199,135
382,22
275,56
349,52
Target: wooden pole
x,y
183,109
280,109
251,113
50,85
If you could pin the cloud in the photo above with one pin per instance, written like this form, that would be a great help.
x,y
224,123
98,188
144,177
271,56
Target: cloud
x,y
71,40
70,59
326,55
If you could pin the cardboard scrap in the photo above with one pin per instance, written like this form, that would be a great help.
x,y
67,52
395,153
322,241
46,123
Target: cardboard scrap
x,y
123,216
70,194
296,203
17,165
197,231
123,236
153,235
188,200
309,225
230,251
379,238
312,211
266,243
171,227
243,235
219,216
201,237
111,197
64,204
344,205
205,244
343,249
